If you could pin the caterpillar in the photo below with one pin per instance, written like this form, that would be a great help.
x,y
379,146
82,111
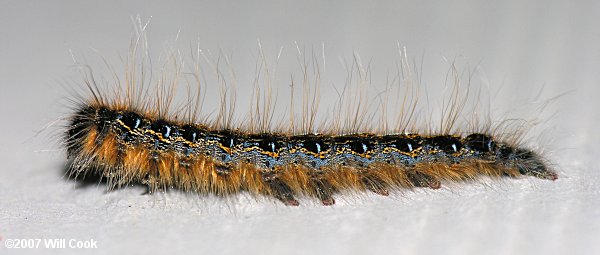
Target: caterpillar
x,y
130,139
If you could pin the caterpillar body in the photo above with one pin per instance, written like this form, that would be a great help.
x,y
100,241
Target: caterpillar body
x,y
130,138
127,146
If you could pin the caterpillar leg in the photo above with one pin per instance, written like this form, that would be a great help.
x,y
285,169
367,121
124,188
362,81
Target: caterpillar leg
x,y
324,190
376,185
421,180
282,191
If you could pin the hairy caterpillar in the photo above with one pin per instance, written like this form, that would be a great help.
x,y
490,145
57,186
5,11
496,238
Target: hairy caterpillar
x,y
128,138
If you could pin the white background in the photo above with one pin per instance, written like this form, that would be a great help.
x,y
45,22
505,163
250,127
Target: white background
x,y
519,46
